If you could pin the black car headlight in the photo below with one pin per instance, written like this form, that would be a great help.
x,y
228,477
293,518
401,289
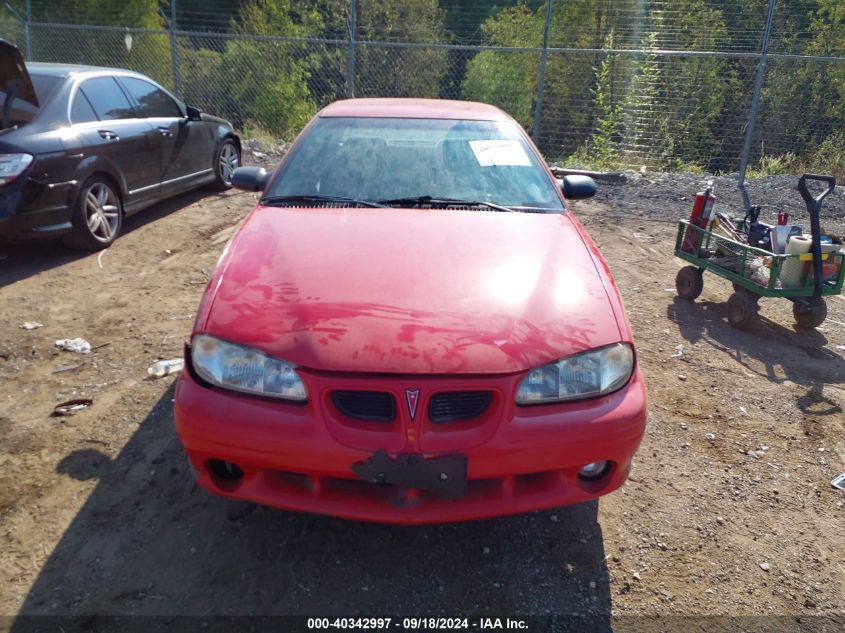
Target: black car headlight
x,y
586,375
245,369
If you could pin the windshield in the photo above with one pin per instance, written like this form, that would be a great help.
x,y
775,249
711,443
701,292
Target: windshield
x,y
384,159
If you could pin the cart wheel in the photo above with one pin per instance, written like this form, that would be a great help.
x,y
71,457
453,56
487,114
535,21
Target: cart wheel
x,y
809,317
689,282
742,309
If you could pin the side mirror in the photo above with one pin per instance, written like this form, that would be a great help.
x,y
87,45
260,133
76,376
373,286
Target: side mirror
x,y
193,113
250,178
578,187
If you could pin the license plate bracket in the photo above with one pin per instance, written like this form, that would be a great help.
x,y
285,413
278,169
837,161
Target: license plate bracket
x,y
445,476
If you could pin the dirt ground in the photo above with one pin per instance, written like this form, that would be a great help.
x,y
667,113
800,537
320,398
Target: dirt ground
x,y
729,510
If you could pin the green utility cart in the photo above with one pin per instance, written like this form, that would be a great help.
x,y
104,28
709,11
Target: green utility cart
x,y
803,278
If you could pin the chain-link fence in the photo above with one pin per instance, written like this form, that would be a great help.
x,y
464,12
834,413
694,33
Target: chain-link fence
x,y
672,84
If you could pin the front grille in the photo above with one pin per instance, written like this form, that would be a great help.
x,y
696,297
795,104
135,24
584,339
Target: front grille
x,y
372,406
451,406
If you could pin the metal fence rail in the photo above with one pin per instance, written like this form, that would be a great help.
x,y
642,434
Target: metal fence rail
x,y
642,97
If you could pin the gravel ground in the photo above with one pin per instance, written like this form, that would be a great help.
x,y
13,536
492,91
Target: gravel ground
x,y
729,510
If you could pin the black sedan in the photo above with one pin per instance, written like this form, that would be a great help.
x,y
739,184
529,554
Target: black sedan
x,y
81,147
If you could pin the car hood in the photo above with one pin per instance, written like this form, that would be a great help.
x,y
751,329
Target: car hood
x,y
410,290
13,72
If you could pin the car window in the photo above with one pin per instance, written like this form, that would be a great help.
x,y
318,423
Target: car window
x,y
21,111
81,111
107,98
385,158
44,86
152,101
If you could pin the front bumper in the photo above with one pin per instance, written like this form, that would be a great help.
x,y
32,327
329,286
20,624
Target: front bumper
x,y
300,457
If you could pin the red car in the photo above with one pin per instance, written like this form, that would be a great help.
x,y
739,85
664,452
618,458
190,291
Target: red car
x,y
411,327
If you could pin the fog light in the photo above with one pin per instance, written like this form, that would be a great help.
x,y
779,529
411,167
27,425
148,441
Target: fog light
x,y
225,471
594,470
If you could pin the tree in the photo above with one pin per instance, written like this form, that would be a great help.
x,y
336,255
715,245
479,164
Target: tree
x,y
268,80
386,71
507,79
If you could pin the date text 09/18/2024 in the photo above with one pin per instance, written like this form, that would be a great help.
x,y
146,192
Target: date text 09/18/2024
x,y
425,623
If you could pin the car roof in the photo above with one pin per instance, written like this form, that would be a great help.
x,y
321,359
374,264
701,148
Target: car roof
x,y
62,70
415,109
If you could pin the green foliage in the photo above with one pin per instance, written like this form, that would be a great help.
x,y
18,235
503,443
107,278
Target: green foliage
x,y
829,156
600,107
149,52
201,73
131,13
400,72
787,163
268,80
605,140
507,79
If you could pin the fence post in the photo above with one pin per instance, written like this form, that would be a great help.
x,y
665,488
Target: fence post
x,y
755,103
27,31
174,51
541,78
350,54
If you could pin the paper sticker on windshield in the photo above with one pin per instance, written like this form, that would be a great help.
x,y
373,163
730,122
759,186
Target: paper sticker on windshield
x,y
502,152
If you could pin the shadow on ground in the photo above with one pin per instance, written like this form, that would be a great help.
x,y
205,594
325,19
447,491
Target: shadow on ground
x,y
783,354
765,342
19,261
149,542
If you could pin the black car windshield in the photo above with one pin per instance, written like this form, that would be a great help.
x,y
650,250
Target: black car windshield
x,y
389,159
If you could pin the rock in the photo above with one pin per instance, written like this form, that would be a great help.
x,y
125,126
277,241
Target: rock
x,y
636,575
764,566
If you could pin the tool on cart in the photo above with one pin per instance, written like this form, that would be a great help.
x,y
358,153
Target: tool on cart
x,y
763,260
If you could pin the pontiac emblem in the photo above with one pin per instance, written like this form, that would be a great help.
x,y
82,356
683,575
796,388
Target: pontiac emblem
x,y
413,397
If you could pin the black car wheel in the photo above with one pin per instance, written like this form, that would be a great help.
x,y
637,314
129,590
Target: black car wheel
x,y
227,160
97,216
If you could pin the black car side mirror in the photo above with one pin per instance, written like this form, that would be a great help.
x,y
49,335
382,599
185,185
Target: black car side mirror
x,y
578,187
250,178
193,113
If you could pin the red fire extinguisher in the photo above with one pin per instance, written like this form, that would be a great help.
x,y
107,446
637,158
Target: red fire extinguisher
x,y
702,213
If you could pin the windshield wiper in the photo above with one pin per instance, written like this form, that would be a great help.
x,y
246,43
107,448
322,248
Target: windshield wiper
x,y
436,202
271,200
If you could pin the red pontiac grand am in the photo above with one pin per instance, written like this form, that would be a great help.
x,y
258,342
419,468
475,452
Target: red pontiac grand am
x,y
411,327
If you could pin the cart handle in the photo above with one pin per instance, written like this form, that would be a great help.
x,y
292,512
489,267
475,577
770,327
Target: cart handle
x,y
814,207
805,191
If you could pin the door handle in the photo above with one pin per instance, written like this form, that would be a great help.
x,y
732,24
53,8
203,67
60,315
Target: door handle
x,y
109,135
165,131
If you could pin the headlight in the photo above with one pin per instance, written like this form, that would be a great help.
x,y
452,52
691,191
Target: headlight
x,y
243,369
585,375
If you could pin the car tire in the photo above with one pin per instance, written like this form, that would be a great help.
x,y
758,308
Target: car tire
x,y
227,158
689,282
97,217
808,318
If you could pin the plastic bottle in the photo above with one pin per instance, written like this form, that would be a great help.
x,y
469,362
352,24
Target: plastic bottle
x,y
165,367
